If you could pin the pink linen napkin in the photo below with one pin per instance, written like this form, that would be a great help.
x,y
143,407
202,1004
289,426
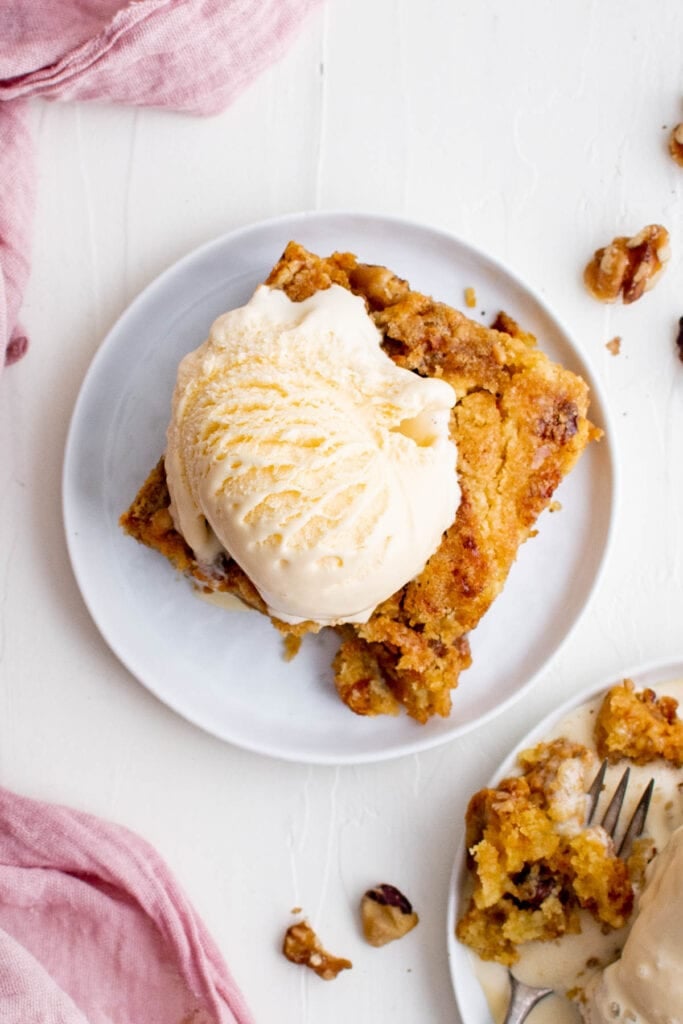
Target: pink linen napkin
x,y
188,55
95,930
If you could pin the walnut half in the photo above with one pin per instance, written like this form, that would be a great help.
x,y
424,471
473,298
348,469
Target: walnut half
x,y
302,946
676,144
628,266
386,915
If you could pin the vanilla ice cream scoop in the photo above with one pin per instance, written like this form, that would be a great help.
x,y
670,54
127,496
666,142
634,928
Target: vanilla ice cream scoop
x,y
645,986
298,447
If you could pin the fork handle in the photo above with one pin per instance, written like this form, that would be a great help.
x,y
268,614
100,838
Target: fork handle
x,y
523,998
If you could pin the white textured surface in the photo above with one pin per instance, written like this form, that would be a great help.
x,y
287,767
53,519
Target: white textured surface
x,y
534,131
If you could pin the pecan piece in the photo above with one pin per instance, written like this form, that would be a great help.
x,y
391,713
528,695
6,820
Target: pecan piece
x,y
386,915
628,266
560,423
378,285
302,946
676,144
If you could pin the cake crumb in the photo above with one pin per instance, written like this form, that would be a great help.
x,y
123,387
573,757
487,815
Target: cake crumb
x,y
292,645
639,725
676,144
295,910
470,298
555,506
614,346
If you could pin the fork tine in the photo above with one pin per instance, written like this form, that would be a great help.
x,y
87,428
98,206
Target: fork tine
x,y
595,790
637,822
611,817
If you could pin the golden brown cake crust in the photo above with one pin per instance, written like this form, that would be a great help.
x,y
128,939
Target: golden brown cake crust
x,y
520,424
149,521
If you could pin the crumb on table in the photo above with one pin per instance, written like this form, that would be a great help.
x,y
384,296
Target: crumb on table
x,y
614,346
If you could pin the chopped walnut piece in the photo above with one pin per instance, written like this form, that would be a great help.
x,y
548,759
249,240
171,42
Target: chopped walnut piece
x,y
302,946
470,298
628,266
676,144
386,915
614,346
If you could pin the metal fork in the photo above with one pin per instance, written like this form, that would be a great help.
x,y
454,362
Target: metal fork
x,y
524,997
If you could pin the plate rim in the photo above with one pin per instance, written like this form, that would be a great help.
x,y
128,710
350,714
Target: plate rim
x,y
585,368
641,674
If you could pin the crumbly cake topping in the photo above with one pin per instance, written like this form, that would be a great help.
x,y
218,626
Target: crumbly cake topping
x,y
639,726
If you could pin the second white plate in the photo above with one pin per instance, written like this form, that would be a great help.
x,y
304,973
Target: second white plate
x,y
224,671
469,994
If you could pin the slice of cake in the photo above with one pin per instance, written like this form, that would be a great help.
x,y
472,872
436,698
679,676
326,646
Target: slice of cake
x,y
519,424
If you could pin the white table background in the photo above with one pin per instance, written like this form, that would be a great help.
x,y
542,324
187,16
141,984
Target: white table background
x,y
536,131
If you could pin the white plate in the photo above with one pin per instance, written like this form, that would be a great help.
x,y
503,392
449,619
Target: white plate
x,y
469,994
224,670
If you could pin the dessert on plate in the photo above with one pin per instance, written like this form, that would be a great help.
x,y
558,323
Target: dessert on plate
x,y
551,897
346,452
534,858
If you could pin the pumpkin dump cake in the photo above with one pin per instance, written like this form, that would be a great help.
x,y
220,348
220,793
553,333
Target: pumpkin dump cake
x,y
404,607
